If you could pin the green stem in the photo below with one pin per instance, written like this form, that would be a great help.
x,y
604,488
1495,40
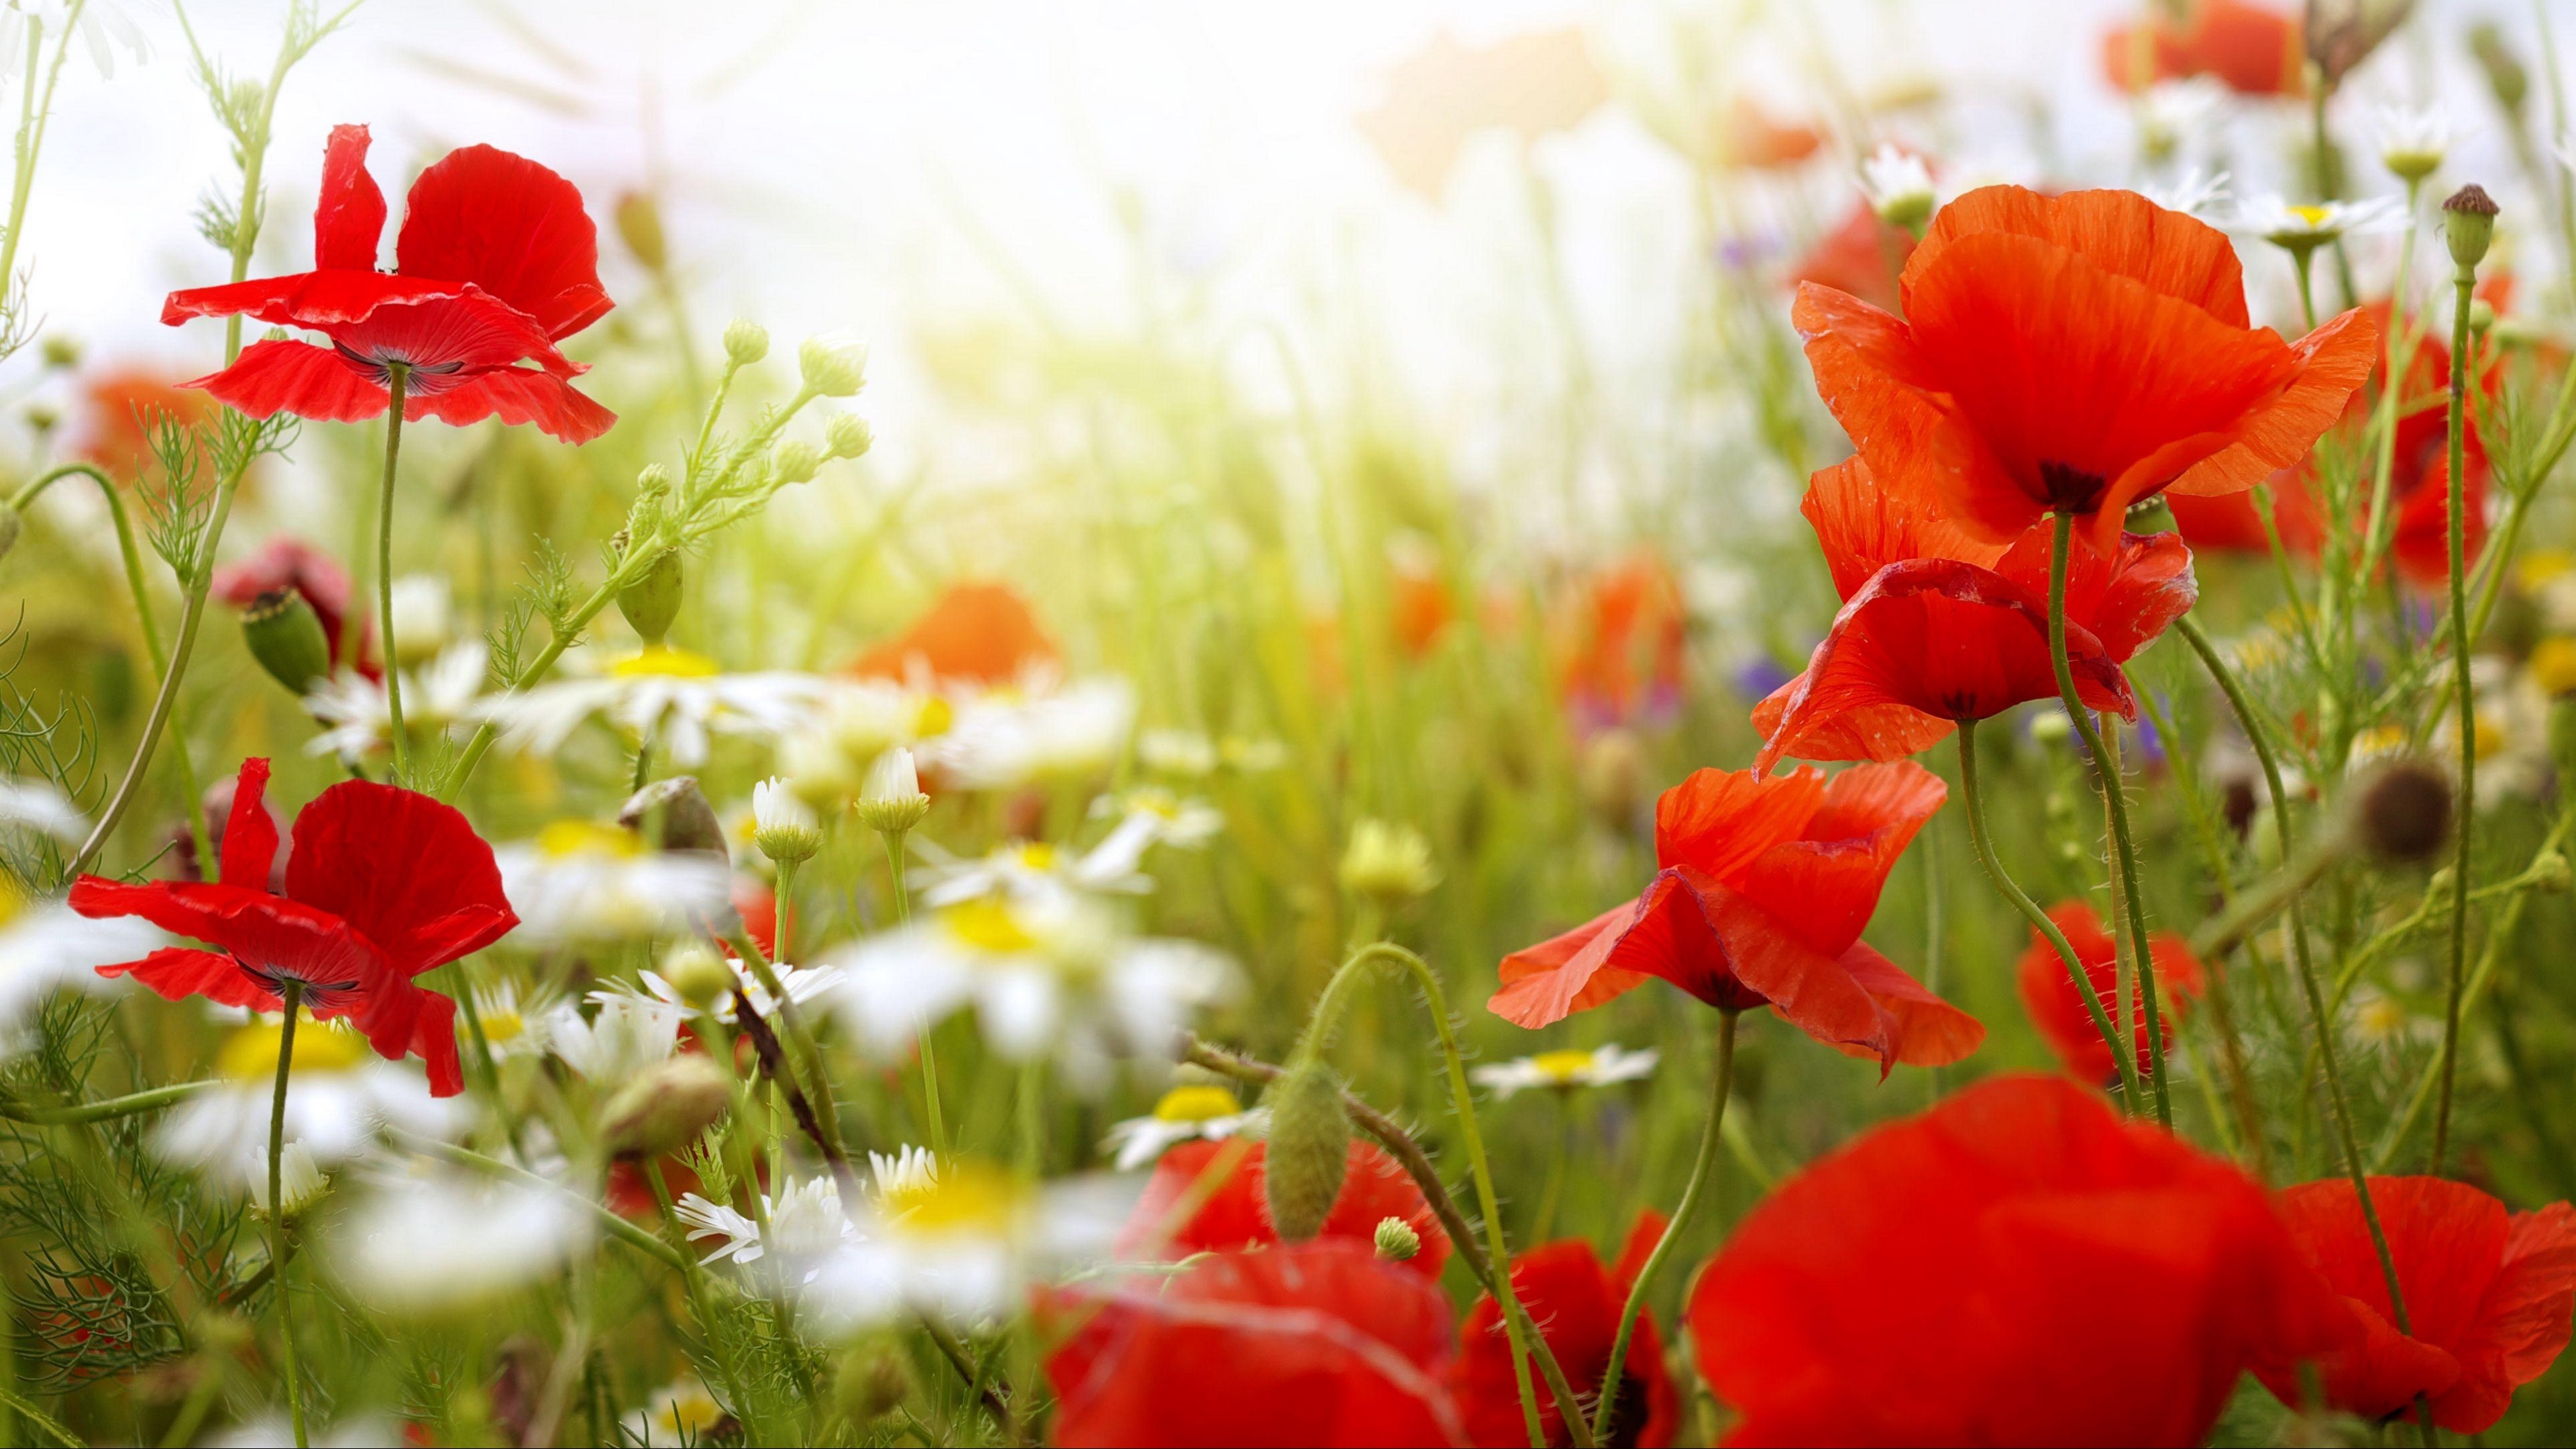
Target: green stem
x,y
1683,1212
294,1002
2115,800
397,381
101,1111
695,1282
134,580
2123,1055
2464,815
819,1082
2255,736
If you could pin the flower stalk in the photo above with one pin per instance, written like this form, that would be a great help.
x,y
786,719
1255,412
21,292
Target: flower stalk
x,y
292,1379
397,379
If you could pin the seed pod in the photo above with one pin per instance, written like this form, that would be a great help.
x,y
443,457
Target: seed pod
x,y
2468,224
285,636
1310,1148
639,225
653,601
664,1109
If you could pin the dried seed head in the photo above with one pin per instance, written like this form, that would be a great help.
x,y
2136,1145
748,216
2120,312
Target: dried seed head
x,y
2468,224
2403,812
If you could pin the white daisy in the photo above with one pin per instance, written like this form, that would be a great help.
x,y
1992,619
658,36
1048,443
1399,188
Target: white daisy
x,y
340,1098
45,945
1005,738
685,1412
104,28
358,722
961,1243
1565,1070
830,749
801,983
626,1034
2413,139
1148,817
1028,868
2306,225
514,1023
805,1222
2175,114
2196,193
1187,1113
673,697
424,619
580,881
1898,186
40,805
437,1240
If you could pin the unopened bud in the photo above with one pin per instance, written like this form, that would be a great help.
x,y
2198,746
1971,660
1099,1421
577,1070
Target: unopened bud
x,y
2550,872
652,602
2482,316
2506,76
869,1383
781,824
1397,1242
696,972
2051,726
673,814
833,368
664,1109
2468,224
745,341
848,436
891,801
285,636
795,462
1309,1151
61,352
42,417
2404,812
1388,863
639,225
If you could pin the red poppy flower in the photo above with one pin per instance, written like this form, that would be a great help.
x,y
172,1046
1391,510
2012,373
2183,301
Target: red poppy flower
x,y
382,884
496,263
1304,1343
1237,1213
2016,1266
1765,886
1747,135
2489,1294
118,409
1576,1305
2064,1023
1862,256
285,562
2254,51
1625,643
974,634
1938,626
2073,353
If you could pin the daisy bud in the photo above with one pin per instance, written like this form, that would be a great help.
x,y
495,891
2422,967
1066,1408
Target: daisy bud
x,y
2550,871
1387,862
869,1383
696,972
2482,316
833,368
285,636
2404,812
782,825
1899,188
795,462
745,341
41,417
61,352
1310,1149
11,525
891,801
674,815
2468,224
848,436
653,600
1397,1242
666,1108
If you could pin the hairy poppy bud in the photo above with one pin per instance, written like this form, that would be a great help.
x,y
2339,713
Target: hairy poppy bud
x,y
848,436
891,801
653,601
745,341
285,636
639,225
1310,1149
696,972
664,1109
795,462
1397,1242
2404,812
833,368
674,815
2468,224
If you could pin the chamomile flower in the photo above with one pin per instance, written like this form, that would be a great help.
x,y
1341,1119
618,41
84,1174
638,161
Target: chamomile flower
x,y
2413,140
1148,817
806,1220
45,945
1186,1113
801,983
340,1098
833,745
1564,1071
514,1023
1182,754
424,619
357,722
1006,738
103,26
2195,193
2177,114
1046,974
1028,868
433,1240
961,1242
627,1033
685,1412
2305,226
41,806
1898,186
581,881
673,697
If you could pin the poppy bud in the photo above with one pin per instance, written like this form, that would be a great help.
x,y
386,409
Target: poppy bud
x,y
2404,812
696,972
639,225
869,1383
2506,77
2468,224
653,601
285,636
745,341
833,368
664,1109
891,801
2481,316
1309,1151
848,436
11,525
1397,1242
795,462
673,815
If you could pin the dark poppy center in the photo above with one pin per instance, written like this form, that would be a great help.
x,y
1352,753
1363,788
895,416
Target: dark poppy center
x,y
2071,489
421,378
319,996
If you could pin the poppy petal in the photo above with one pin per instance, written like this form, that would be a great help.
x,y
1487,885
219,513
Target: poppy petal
x,y
406,871
250,832
511,227
278,376
1575,1305
517,395
349,221
2526,1318
1929,1032
451,340
2125,595
2331,365
1864,525
2448,1240
1564,974
323,301
2169,252
1836,869
1859,732
176,973
401,1019
1719,821
1233,1213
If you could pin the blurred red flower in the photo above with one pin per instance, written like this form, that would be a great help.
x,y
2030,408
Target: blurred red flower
x,y
1575,1302
1863,256
2050,997
1764,888
382,884
1623,642
1303,1343
2488,1293
2254,51
1236,1210
286,562
1938,626
117,410
2015,1266
495,264
2073,353
974,633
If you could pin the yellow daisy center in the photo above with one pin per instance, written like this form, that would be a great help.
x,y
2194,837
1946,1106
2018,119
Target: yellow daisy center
x,y
1196,1104
566,838
987,925
250,1054
1563,1068
968,1197
666,662
2553,664
2315,217
933,717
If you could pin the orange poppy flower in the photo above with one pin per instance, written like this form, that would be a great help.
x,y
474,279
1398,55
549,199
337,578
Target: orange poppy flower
x,y
2074,354
1861,256
2253,51
1764,888
1626,643
2064,1023
974,634
1575,1303
118,409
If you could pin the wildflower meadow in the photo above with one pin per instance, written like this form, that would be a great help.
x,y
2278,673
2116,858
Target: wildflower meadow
x,y
1499,722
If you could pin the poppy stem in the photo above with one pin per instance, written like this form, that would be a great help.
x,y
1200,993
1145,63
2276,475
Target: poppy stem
x,y
1702,1169
1978,836
397,378
819,1083
2464,816
294,1002
2115,800
2296,929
